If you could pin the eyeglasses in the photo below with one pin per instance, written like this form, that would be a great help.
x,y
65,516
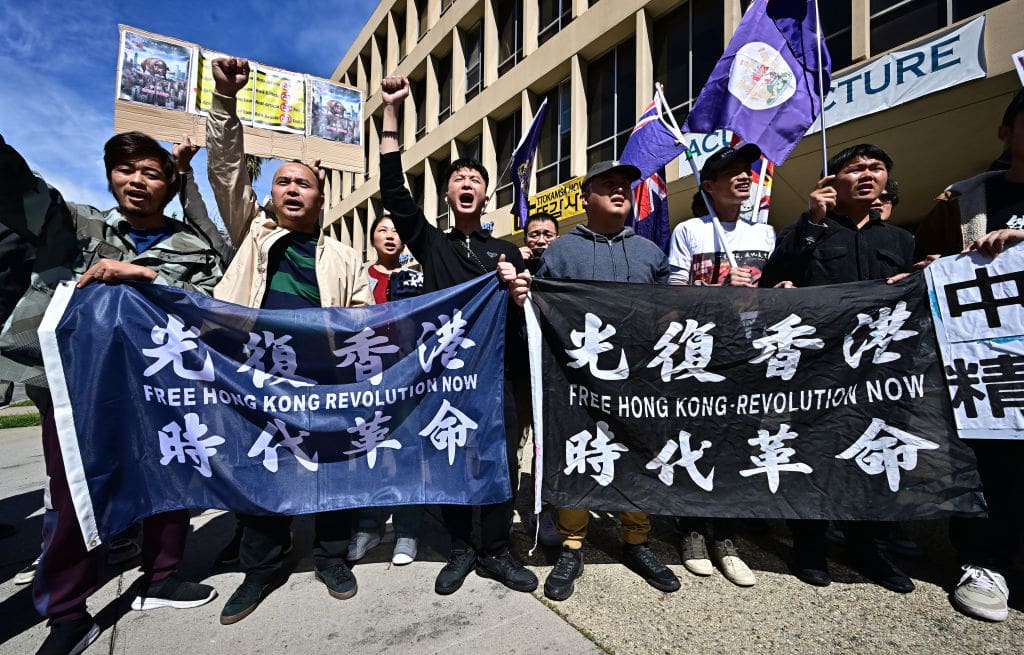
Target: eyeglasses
x,y
541,234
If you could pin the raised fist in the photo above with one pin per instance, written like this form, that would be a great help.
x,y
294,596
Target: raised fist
x,y
183,153
230,74
394,89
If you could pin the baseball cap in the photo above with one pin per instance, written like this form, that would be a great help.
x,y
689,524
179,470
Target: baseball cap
x,y
722,158
607,166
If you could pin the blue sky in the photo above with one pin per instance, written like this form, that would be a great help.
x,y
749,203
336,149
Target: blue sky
x,y
59,63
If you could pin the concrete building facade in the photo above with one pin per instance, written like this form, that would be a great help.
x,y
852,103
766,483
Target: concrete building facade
x,y
480,68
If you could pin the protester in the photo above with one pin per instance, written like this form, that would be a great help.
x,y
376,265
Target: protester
x,y
841,239
290,263
463,254
603,249
388,280
697,256
985,214
538,233
134,242
887,201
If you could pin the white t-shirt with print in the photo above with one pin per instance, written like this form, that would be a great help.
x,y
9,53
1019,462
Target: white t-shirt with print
x,y
698,257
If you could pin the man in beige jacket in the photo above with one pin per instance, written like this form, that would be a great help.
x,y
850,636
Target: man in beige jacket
x,y
287,262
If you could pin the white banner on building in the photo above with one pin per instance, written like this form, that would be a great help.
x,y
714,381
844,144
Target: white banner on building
x,y
978,308
944,61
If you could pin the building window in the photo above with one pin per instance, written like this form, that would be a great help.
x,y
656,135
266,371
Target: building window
x,y
446,5
554,16
419,98
611,102
416,188
443,72
421,14
687,45
472,149
400,32
506,136
895,22
966,8
554,149
472,46
442,186
509,15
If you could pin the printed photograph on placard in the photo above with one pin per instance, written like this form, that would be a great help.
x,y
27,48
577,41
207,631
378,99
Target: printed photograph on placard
x,y
280,101
334,112
205,86
154,72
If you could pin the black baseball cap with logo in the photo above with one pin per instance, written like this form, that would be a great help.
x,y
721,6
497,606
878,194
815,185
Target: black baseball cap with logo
x,y
720,159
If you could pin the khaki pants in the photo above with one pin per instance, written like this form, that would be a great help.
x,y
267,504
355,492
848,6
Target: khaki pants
x,y
572,525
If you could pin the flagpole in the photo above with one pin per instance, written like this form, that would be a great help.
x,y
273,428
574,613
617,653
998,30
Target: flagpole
x,y
821,92
758,193
696,175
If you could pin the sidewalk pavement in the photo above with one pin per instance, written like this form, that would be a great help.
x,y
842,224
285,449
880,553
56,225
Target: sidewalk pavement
x,y
396,610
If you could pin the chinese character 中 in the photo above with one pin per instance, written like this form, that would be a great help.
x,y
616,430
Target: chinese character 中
x,y
282,358
173,342
687,459
451,336
364,350
885,449
882,331
596,450
176,444
372,435
449,429
781,347
697,345
276,434
987,302
774,456
590,343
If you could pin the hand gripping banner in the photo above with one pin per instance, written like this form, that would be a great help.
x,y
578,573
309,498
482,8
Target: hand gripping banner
x,y
819,403
165,399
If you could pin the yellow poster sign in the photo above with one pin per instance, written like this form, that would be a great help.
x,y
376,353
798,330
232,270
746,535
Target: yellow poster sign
x,y
280,100
563,201
205,86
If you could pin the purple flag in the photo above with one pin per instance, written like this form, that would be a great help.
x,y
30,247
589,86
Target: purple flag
x,y
522,166
765,86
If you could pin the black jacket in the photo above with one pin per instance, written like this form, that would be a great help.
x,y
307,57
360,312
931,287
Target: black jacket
x,y
836,251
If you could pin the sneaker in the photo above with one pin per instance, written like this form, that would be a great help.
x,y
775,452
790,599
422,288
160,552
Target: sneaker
x,y
507,570
561,582
123,549
361,543
174,592
875,566
982,593
27,574
733,568
244,601
642,560
451,577
70,637
811,567
695,554
548,534
338,579
405,551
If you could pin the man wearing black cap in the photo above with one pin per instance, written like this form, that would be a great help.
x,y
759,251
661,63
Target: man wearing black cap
x,y
986,213
603,249
699,256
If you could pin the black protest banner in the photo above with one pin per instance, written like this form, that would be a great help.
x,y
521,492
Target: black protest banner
x,y
826,402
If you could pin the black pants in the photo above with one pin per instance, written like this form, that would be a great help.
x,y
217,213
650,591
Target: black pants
x,y
266,538
992,542
495,520
861,536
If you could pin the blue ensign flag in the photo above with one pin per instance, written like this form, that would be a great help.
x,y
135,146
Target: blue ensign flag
x,y
166,399
522,166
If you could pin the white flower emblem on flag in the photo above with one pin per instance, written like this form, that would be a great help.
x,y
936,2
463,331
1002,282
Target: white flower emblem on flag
x,y
760,78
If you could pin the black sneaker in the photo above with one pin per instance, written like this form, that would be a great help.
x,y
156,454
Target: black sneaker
x,y
811,567
507,570
174,592
561,582
244,601
338,579
451,577
875,566
69,637
642,560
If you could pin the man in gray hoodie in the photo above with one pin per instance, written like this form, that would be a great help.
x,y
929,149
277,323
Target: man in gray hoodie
x,y
602,250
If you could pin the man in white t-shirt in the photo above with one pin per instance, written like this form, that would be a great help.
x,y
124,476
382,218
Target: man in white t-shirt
x,y
697,255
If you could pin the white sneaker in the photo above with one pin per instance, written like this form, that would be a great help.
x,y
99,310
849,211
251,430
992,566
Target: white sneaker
x,y
549,535
695,555
982,593
360,544
733,568
405,551
27,574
